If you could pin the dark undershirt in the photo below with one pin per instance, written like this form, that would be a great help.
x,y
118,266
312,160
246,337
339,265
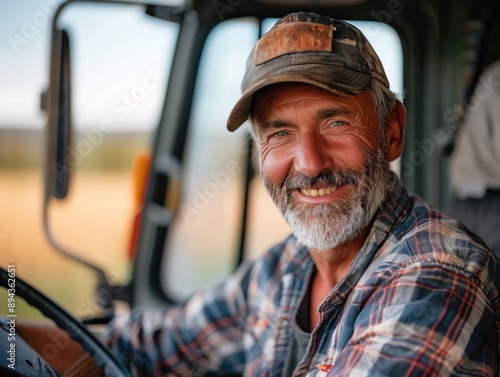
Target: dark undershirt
x,y
299,335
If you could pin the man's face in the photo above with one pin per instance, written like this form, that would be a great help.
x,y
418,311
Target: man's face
x,y
322,159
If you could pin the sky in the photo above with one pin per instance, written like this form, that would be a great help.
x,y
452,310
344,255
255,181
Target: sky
x,y
24,45
25,29
24,62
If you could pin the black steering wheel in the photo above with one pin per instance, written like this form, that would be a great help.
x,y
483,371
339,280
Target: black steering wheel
x,y
27,362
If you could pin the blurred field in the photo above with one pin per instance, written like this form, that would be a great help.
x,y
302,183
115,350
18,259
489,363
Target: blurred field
x,y
94,222
23,243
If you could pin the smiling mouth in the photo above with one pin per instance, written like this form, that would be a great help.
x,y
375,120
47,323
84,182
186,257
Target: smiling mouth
x,y
319,192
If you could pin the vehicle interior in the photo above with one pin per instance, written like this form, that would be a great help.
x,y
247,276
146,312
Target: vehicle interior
x,y
135,140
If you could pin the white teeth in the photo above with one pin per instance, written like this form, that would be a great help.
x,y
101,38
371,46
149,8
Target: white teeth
x,y
321,192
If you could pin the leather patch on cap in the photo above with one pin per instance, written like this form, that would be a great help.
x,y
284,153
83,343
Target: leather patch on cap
x,y
293,37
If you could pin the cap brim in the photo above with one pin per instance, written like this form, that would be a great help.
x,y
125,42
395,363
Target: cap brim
x,y
345,82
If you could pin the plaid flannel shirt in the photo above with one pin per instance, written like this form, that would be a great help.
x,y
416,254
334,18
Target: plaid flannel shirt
x,y
420,299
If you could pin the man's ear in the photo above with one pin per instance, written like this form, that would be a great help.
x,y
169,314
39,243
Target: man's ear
x,y
394,135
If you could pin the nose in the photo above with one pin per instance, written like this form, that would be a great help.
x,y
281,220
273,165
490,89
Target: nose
x,y
310,155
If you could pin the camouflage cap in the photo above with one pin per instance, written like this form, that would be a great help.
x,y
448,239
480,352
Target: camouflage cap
x,y
312,49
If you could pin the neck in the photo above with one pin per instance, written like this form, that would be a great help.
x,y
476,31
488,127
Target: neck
x,y
332,265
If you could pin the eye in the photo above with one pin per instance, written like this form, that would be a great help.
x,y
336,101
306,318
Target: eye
x,y
337,123
279,134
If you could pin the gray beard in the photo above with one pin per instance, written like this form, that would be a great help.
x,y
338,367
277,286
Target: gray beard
x,y
326,226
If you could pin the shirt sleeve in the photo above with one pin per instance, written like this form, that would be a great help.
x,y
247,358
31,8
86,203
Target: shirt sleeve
x,y
427,320
200,335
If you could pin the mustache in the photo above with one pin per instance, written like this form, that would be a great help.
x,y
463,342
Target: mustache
x,y
324,178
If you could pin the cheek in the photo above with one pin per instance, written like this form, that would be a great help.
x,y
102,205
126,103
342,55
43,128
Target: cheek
x,y
348,152
275,166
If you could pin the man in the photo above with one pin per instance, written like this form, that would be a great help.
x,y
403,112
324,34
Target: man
x,y
475,162
373,282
